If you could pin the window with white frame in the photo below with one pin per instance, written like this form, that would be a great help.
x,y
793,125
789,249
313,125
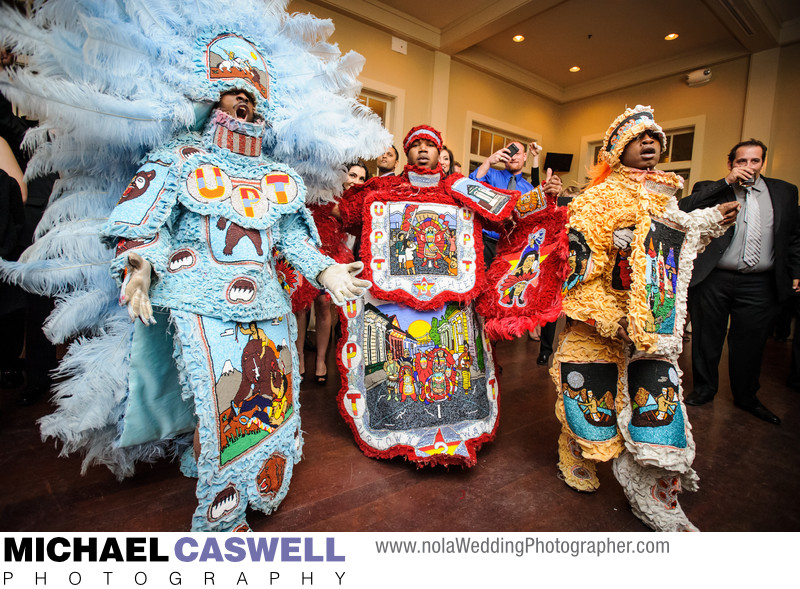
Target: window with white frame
x,y
677,157
383,106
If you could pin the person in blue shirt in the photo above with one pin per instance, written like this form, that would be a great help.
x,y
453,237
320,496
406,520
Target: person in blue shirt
x,y
514,165
512,179
509,179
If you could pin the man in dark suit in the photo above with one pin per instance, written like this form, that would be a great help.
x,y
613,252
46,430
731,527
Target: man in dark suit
x,y
742,276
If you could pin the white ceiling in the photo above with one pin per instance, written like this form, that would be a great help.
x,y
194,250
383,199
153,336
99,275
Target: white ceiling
x,y
616,43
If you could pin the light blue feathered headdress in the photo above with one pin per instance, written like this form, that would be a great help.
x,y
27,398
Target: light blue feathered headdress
x,y
111,80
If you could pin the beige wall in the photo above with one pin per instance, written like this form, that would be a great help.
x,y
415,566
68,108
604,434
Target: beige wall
x,y
782,160
469,90
486,96
720,103
717,109
412,72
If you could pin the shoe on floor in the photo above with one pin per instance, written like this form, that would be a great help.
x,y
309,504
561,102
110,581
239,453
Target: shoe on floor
x,y
696,399
761,412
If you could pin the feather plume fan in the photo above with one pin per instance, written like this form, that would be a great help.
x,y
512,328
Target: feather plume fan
x,y
111,81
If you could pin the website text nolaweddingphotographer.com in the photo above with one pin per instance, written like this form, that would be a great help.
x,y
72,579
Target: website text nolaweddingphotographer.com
x,y
521,547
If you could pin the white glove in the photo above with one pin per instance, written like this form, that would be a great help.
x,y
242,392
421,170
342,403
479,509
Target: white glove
x,y
340,280
623,238
135,289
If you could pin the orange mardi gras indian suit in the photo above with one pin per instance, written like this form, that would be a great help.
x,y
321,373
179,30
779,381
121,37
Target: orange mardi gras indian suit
x,y
631,254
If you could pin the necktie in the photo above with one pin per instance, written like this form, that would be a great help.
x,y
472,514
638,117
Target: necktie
x,y
752,243
512,183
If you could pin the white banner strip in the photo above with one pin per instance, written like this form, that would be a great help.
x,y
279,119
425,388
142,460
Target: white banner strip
x,y
394,560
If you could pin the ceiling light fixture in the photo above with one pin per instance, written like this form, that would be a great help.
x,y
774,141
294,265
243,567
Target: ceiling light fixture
x,y
671,37
518,38
574,69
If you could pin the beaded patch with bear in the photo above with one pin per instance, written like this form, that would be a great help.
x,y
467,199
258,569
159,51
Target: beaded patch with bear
x,y
243,379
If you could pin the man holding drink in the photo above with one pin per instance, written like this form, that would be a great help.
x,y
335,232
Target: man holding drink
x,y
742,276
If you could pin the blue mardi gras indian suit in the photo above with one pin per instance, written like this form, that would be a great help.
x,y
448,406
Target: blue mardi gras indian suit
x,y
207,212
210,211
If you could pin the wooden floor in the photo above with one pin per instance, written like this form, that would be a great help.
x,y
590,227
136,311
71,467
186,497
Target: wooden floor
x,y
748,471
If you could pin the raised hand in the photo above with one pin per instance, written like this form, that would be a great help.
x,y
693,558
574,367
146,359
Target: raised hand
x,y
552,184
340,280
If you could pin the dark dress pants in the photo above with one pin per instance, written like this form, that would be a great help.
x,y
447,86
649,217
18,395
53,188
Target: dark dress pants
x,y
489,250
794,370
751,304
546,337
